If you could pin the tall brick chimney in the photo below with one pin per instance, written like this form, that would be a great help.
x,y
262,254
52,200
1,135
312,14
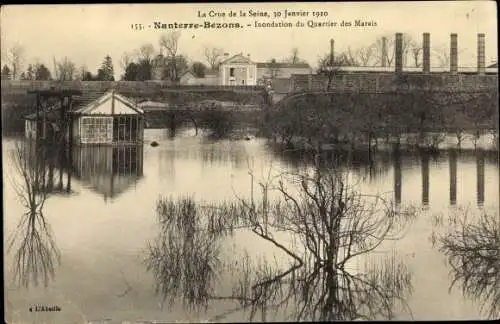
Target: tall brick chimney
x,y
384,51
426,62
480,54
453,53
399,52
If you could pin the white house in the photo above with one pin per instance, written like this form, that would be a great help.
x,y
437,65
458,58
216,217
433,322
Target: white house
x,y
238,70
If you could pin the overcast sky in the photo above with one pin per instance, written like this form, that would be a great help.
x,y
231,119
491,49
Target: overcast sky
x,y
86,33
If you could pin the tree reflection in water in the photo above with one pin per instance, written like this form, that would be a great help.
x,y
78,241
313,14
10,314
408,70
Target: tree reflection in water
x,y
473,252
35,252
331,225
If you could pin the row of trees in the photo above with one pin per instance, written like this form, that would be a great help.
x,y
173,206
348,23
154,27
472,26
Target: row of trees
x,y
366,118
167,63
63,69
375,54
145,63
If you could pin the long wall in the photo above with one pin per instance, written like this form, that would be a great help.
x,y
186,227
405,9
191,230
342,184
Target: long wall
x,y
388,82
129,86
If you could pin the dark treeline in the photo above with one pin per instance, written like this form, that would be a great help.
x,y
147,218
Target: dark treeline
x,y
367,118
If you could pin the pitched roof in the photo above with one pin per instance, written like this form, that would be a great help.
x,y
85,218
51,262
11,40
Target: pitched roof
x,y
492,66
284,65
238,58
186,73
108,96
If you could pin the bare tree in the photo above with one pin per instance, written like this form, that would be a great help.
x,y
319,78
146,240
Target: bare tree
x,y
36,254
389,51
145,53
442,53
213,55
170,42
330,224
365,55
125,60
15,58
471,247
65,69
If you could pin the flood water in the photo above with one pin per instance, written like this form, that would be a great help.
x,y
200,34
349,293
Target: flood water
x,y
103,216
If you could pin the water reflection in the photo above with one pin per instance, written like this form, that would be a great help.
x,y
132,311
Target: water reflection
x,y
397,176
480,177
325,230
471,245
453,176
109,170
406,160
425,178
35,254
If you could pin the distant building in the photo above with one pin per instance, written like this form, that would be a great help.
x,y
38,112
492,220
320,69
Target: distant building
x,y
188,78
238,70
110,119
270,70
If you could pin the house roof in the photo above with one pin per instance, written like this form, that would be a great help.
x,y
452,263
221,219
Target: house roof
x,y
186,73
281,85
492,66
153,105
238,58
212,72
80,103
104,105
284,65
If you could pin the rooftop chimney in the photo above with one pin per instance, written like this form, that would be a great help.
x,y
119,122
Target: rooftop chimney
x,y
427,53
384,51
399,52
453,53
332,46
480,54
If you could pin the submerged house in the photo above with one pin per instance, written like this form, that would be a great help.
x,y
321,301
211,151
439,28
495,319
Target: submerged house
x,y
110,119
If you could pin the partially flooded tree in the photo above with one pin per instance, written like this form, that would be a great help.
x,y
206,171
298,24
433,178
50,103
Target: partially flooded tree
x,y
472,249
320,223
35,252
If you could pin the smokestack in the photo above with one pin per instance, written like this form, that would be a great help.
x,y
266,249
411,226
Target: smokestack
x,y
427,53
453,54
399,52
332,46
384,51
480,54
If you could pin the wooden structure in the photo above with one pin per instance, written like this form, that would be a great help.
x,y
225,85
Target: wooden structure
x,y
51,116
110,119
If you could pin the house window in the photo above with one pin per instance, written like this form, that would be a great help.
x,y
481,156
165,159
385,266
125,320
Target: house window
x,y
231,72
97,130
